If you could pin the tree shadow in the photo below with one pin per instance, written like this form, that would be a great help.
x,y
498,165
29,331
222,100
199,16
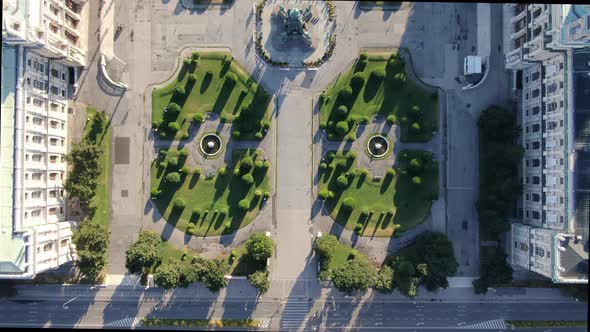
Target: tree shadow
x,y
226,89
372,88
386,183
361,180
194,180
206,82
241,98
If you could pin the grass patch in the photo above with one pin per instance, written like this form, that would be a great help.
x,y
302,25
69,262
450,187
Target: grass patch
x,y
211,202
403,203
384,89
342,254
546,323
100,205
220,87
156,322
241,264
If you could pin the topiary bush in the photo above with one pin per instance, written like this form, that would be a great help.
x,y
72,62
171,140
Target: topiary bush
x,y
342,182
246,165
187,61
323,125
348,203
196,55
351,155
391,119
173,162
248,179
258,136
416,127
179,203
179,89
415,165
192,78
173,177
331,155
197,211
173,108
416,180
341,128
155,192
346,92
357,81
363,56
155,124
221,171
342,111
185,170
197,171
231,78
183,152
378,74
244,204
323,166
391,172
198,118
416,111
325,194
173,126
236,134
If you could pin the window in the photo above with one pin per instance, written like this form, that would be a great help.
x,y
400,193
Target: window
x,y
526,112
38,85
53,141
53,194
515,244
536,145
36,194
52,176
561,103
47,246
54,124
38,66
561,65
536,110
536,93
38,121
37,157
29,62
527,146
26,215
560,180
37,139
561,219
27,118
535,76
53,211
536,197
36,176
561,161
36,213
526,96
561,85
527,179
539,251
527,213
54,90
536,180
63,76
54,72
63,242
536,128
53,159
536,163
26,195
536,215
527,129
561,200
63,92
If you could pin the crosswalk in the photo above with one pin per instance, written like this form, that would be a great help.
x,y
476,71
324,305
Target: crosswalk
x,y
294,313
490,324
125,322
264,323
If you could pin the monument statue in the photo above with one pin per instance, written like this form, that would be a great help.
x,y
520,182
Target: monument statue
x,y
295,24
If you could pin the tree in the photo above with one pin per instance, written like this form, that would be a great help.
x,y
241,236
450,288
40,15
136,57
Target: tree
x,y
346,93
341,128
260,280
198,118
248,179
355,274
325,246
82,180
244,204
342,111
384,281
173,177
260,247
211,272
175,273
348,203
144,254
173,108
92,241
342,182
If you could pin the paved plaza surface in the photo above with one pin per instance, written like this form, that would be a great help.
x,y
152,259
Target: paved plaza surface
x,y
155,33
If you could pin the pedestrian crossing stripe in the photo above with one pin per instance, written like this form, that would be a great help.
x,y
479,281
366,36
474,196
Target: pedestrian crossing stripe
x,y
294,315
125,322
490,324
264,323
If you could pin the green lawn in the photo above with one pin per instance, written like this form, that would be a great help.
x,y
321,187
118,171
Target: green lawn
x,y
102,201
404,203
395,94
215,196
212,92
342,254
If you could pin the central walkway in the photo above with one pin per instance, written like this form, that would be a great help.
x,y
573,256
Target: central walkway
x,y
294,239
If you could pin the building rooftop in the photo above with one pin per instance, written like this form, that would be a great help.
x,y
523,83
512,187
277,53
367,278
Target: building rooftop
x,y
574,259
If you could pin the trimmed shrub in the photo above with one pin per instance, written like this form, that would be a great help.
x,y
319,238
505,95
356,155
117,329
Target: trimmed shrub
x,y
323,125
173,177
351,154
197,211
192,78
416,180
325,194
162,134
231,78
342,181
221,171
183,152
155,192
266,194
173,162
197,171
155,124
358,229
246,165
350,138
173,126
348,203
416,127
184,136
357,81
323,166
363,56
416,110
187,61
244,204
342,128
258,164
198,118
391,119
391,172
174,108
265,124
236,134
378,74
404,119
179,90
257,193
248,179
346,92
258,136
331,155
164,164
266,164
415,165
236,172
196,55
179,203
342,111
363,171
185,170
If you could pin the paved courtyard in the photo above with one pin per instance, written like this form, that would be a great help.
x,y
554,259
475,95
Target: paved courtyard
x,y
156,32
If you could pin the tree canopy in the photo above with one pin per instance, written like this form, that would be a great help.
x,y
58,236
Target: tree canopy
x,y
355,274
260,247
83,178
91,241
144,254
